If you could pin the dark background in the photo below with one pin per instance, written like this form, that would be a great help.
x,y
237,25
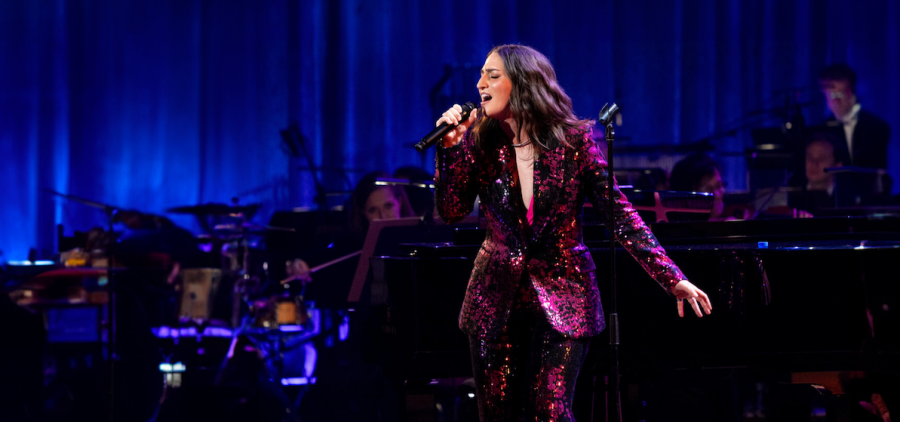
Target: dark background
x,y
155,104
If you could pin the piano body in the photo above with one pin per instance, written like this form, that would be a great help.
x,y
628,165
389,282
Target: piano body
x,y
789,296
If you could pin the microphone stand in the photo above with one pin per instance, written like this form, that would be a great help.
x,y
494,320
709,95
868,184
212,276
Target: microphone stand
x,y
294,138
110,277
607,117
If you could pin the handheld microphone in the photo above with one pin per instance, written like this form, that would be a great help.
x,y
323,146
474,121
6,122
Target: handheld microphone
x,y
432,137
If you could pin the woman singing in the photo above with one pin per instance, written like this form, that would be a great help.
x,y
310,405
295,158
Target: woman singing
x,y
532,304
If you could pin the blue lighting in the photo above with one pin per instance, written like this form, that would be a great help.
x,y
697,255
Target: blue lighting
x,y
172,367
298,381
217,332
290,328
30,263
172,126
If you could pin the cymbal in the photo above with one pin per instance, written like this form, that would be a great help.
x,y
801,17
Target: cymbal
x,y
215,209
249,228
84,201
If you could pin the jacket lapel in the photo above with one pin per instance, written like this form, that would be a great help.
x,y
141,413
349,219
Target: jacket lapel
x,y
514,210
546,170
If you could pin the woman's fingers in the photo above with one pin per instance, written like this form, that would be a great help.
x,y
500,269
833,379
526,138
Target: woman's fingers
x,y
705,302
693,301
453,117
694,304
455,113
698,299
446,118
700,303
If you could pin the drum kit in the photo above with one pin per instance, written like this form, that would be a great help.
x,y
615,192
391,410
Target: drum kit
x,y
277,324
229,236
220,311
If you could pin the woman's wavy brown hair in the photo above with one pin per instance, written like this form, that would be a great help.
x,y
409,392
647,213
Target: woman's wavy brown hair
x,y
538,104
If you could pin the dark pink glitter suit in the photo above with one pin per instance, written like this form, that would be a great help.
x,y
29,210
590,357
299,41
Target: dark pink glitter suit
x,y
532,302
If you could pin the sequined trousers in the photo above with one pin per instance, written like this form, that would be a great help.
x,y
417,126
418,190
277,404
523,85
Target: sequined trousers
x,y
529,373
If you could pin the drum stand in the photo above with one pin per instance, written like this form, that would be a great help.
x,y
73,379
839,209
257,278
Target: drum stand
x,y
110,212
244,280
111,309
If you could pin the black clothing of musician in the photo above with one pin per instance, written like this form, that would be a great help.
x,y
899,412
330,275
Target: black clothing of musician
x,y
865,136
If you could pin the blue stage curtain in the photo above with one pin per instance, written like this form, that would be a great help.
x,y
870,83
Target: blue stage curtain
x,y
153,104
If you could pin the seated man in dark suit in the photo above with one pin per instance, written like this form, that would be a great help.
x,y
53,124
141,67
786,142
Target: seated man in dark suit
x,y
865,135
837,188
820,155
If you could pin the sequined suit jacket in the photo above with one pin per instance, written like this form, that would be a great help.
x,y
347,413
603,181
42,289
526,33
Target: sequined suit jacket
x,y
559,267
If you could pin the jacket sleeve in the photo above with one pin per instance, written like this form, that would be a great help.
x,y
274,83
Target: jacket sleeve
x,y
631,232
455,180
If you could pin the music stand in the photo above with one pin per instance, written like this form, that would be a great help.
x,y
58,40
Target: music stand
x,y
671,205
369,247
855,185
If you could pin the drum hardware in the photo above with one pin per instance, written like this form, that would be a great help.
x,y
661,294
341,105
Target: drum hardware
x,y
283,333
280,327
248,228
216,209
93,204
290,317
65,286
228,228
199,286
210,215
110,212
290,311
283,313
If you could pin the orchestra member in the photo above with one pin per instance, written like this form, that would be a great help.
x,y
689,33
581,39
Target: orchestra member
x,y
821,152
369,202
820,155
532,303
374,202
865,135
700,173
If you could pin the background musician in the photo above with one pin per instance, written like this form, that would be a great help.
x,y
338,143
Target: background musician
x,y
335,245
820,155
373,202
700,173
865,136
821,152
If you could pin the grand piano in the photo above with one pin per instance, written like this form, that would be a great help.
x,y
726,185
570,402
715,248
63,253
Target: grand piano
x,y
790,296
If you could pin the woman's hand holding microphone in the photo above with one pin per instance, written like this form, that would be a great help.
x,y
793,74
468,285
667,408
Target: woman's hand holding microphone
x,y
451,117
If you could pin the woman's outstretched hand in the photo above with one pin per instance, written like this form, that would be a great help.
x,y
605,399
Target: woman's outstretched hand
x,y
684,290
